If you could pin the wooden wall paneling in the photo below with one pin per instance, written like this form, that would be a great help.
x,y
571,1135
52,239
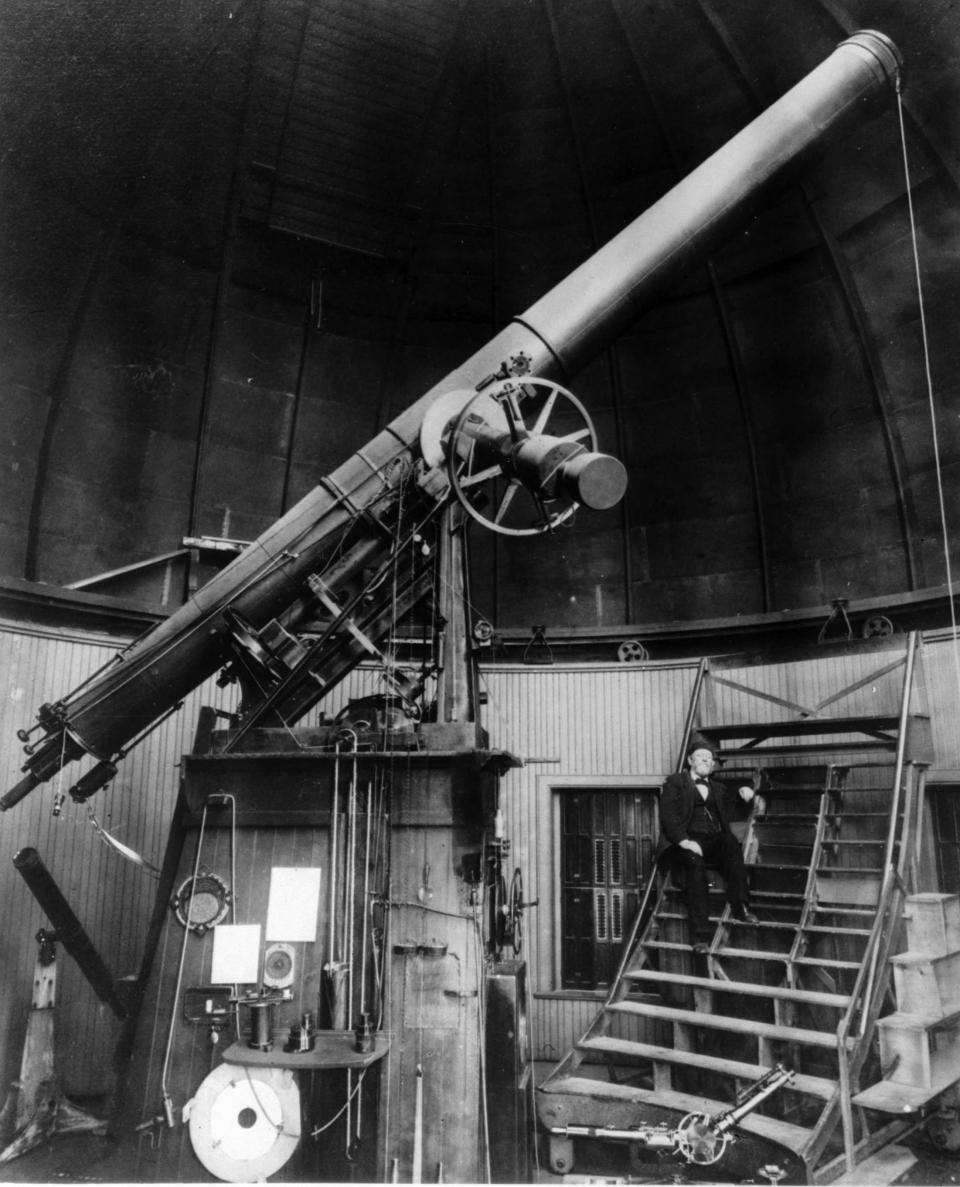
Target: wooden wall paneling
x,y
940,666
111,896
607,719
594,723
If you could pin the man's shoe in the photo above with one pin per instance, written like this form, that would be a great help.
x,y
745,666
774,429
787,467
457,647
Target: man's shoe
x,y
744,915
701,948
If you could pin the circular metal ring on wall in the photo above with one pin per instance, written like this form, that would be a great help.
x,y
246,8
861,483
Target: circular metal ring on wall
x,y
201,903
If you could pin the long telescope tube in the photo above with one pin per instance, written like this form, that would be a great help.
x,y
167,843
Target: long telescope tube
x,y
68,928
557,336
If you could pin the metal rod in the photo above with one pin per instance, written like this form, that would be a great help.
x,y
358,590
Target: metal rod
x,y
164,1092
366,899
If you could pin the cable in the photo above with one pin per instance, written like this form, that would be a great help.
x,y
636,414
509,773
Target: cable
x,y
929,379
164,1093
484,1135
339,1113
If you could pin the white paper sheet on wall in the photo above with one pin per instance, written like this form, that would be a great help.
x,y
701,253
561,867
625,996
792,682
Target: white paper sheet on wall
x,y
236,954
294,903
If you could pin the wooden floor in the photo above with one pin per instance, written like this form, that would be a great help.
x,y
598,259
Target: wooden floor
x,y
88,1159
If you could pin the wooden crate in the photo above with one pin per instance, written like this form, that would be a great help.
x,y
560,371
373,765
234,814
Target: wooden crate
x,y
920,1051
933,923
927,984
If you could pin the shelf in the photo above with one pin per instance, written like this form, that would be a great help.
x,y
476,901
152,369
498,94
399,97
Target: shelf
x,y
333,1049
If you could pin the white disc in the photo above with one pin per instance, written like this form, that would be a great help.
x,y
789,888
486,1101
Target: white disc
x,y
444,410
245,1122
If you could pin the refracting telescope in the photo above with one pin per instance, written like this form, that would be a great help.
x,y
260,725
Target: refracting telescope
x,y
500,438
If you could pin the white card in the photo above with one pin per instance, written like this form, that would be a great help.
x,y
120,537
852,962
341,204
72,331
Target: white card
x,y
294,903
236,954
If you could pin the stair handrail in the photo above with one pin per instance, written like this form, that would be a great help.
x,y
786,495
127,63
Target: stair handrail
x,y
691,712
902,730
898,809
864,1003
643,909
862,1006
641,916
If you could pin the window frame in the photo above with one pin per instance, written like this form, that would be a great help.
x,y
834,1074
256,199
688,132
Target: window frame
x,y
555,786
940,780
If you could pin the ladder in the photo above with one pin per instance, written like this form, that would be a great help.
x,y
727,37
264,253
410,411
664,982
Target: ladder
x,y
831,850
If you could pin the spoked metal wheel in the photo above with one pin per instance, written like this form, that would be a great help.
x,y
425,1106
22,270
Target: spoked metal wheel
x,y
517,412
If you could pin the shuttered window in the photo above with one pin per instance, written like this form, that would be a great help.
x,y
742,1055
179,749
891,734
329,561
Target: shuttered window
x,y
607,842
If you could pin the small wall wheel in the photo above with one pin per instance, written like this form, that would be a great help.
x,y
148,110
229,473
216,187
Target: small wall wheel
x,y
515,904
632,651
878,626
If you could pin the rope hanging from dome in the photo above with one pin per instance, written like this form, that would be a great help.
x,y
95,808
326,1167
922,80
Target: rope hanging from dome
x,y
929,378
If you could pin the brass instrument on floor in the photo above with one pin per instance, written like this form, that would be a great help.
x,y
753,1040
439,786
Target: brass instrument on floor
x,y
697,1138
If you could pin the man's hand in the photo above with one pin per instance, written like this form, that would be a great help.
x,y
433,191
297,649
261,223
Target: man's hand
x,y
749,796
693,846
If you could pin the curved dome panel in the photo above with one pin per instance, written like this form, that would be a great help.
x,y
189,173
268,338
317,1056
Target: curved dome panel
x,y
240,242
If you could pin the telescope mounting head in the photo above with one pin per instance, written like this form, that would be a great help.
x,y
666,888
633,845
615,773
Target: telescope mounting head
x,y
525,447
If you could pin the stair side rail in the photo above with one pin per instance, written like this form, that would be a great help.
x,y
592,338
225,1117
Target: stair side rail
x,y
692,708
653,883
864,1004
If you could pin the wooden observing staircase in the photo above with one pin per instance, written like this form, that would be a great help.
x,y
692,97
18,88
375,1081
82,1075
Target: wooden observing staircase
x,y
831,849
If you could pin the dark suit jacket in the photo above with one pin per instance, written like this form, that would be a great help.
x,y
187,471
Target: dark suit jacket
x,y
678,799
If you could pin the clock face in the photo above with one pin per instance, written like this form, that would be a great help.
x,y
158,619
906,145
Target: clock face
x,y
201,902
278,966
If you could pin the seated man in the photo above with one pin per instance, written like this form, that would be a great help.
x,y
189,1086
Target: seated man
x,y
695,835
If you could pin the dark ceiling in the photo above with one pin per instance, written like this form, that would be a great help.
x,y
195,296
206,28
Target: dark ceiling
x,y
239,237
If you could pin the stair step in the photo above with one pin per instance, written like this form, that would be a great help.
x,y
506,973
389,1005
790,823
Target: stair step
x,y
768,867
821,930
889,1096
850,814
817,1086
769,924
741,953
851,871
748,988
754,954
799,727
744,1026
831,842
794,1137
679,916
775,787
799,750
820,962
790,819
843,909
